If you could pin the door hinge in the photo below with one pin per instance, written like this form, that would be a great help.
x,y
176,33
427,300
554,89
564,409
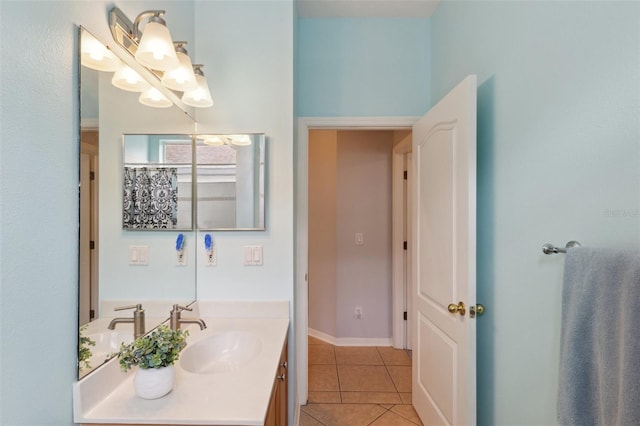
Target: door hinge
x,y
92,245
404,245
92,314
405,315
92,175
405,175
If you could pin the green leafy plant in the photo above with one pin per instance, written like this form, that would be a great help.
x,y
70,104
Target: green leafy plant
x,y
159,349
84,350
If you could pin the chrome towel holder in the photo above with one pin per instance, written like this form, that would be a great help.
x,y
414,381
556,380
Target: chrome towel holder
x,y
551,249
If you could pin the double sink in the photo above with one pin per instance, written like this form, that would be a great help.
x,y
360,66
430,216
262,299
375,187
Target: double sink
x,y
224,376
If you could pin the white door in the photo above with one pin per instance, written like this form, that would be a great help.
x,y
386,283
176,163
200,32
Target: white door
x,y
444,266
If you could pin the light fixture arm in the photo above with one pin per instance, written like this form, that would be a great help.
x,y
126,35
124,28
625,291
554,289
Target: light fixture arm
x,y
153,15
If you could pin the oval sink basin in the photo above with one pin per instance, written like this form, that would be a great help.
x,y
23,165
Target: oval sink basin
x,y
107,343
220,352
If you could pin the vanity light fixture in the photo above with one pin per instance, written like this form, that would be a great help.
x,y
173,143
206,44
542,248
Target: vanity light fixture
x,y
219,140
153,48
96,55
200,96
126,78
212,140
156,50
154,98
240,140
181,78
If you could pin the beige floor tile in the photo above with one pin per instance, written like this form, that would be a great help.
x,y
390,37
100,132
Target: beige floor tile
x,y
401,376
371,398
407,412
307,420
323,378
406,397
315,341
358,355
321,354
364,378
391,419
393,356
344,414
320,397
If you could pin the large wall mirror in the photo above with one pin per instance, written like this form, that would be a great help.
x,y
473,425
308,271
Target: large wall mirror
x,y
120,268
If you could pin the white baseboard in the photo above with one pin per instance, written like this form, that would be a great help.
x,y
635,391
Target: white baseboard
x,y
350,341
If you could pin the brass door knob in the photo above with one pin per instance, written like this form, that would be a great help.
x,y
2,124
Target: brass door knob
x,y
457,309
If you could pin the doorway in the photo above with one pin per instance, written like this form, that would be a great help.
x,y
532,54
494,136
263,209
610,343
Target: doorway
x,y
88,249
302,225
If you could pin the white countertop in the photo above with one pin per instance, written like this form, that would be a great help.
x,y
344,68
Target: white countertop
x,y
237,397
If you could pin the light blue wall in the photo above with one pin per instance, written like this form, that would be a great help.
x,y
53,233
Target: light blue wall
x,y
363,67
558,159
39,199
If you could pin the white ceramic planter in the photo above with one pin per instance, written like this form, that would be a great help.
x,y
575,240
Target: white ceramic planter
x,y
152,383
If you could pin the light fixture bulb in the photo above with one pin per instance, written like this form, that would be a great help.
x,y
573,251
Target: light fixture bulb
x,y
213,140
156,49
181,78
153,98
127,79
240,140
199,97
95,55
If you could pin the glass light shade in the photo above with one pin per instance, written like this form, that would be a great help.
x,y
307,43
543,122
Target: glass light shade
x,y
156,49
200,96
95,55
153,98
213,140
240,140
181,78
127,79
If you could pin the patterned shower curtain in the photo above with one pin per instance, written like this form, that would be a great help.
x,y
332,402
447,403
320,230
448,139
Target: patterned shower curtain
x,y
150,198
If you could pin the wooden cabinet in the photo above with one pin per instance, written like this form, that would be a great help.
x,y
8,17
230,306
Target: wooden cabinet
x,y
277,414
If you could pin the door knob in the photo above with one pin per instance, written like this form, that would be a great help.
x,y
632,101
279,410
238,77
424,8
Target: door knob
x,y
457,309
476,310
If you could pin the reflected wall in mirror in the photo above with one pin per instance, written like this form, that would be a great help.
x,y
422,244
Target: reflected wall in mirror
x,y
107,276
230,173
157,182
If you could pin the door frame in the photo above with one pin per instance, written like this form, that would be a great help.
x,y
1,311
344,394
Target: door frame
x,y
301,158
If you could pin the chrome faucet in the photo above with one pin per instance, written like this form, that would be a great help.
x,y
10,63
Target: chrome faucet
x,y
137,320
176,320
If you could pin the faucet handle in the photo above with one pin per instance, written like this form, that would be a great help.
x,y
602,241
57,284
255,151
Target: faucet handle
x,y
177,308
137,307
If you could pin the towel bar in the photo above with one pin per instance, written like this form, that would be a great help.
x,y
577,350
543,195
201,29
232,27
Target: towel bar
x,y
551,249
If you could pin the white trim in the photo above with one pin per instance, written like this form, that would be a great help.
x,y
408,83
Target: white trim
x,y
398,277
302,238
350,341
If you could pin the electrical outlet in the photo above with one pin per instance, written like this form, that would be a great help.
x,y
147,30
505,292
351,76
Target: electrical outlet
x,y
211,257
181,257
357,314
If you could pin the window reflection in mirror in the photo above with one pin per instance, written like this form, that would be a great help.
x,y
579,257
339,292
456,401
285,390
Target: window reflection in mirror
x,y
230,171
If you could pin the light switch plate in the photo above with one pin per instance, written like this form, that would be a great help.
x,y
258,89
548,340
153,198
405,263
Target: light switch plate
x,y
253,255
139,255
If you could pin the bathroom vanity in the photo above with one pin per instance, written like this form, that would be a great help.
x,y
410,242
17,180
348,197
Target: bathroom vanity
x,y
234,372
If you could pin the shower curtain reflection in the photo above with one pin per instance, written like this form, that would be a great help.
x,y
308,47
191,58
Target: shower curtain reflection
x,y
150,198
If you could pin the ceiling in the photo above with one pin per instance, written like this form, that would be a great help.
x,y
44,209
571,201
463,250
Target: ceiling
x,y
366,8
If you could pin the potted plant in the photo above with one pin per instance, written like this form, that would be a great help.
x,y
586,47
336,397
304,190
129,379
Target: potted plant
x,y
154,354
84,350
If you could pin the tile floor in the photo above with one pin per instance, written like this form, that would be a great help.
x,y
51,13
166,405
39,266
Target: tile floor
x,y
355,386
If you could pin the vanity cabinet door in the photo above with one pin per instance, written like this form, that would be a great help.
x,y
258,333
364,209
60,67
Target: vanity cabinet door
x,y
277,414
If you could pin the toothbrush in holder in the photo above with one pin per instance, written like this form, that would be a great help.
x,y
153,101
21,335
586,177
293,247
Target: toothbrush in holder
x,y
180,248
208,246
